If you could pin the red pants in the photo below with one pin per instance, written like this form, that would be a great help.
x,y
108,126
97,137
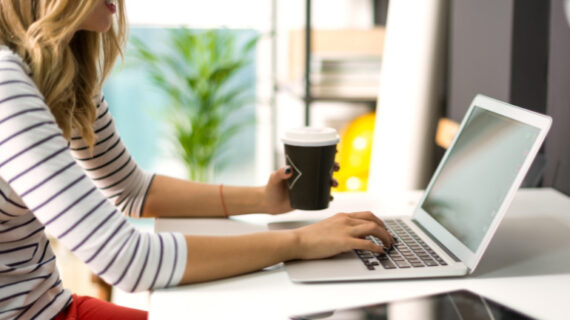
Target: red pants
x,y
87,308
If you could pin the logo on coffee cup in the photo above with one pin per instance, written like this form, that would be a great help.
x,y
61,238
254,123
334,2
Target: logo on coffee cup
x,y
296,174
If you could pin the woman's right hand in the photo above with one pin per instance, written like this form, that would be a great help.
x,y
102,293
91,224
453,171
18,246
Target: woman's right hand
x,y
341,233
215,257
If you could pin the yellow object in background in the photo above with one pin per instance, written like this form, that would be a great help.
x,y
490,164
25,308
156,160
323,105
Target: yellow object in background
x,y
354,152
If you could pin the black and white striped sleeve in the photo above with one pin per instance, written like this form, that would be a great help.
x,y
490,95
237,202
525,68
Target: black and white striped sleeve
x,y
110,166
37,163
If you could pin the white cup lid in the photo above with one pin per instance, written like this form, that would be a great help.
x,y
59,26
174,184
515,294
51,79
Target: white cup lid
x,y
311,137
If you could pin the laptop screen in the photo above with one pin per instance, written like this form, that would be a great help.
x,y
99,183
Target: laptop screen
x,y
478,173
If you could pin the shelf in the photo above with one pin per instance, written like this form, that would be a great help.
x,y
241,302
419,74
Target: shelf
x,y
352,42
367,100
297,90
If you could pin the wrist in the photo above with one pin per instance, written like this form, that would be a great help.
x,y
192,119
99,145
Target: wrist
x,y
240,200
292,244
225,212
263,205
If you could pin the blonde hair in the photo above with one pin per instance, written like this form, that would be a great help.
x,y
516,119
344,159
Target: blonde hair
x,y
68,67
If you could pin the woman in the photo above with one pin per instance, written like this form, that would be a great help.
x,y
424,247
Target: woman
x,y
64,171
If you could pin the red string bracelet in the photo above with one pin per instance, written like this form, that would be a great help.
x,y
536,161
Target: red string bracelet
x,y
223,202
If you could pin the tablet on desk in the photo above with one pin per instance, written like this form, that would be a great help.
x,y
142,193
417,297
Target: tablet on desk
x,y
460,305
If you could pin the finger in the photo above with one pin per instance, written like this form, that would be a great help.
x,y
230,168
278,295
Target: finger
x,y
363,244
370,228
364,229
334,183
355,221
336,166
385,237
286,172
369,216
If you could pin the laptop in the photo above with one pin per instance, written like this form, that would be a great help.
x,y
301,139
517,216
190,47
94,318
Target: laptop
x,y
464,202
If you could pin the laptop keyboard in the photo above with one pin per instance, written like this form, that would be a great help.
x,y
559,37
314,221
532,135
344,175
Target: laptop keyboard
x,y
410,251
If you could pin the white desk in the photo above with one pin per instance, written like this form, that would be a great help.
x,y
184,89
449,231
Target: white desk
x,y
527,266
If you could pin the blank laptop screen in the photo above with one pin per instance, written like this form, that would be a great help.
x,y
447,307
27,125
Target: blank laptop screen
x,y
477,174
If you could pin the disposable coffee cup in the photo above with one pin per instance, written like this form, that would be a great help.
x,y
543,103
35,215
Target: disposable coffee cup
x,y
310,153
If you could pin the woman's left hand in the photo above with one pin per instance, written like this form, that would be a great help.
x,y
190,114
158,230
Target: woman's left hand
x,y
276,193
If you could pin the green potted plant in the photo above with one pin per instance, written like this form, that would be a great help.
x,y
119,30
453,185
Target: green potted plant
x,y
198,74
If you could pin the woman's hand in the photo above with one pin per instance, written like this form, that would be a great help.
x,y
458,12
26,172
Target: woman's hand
x,y
276,192
340,233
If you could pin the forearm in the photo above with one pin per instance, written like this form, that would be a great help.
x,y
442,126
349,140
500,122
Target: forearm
x,y
211,258
171,197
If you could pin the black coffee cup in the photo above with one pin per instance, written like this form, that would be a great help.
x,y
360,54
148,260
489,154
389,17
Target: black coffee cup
x,y
310,152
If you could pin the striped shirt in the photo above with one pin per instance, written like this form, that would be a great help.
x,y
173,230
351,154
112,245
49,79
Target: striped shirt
x,y
48,184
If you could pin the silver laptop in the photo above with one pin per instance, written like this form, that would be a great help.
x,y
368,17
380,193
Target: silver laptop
x,y
461,209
